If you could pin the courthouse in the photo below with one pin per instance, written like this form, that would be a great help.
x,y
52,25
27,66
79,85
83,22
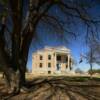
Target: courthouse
x,y
52,60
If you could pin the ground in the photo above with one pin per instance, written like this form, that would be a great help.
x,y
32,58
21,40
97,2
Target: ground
x,y
57,88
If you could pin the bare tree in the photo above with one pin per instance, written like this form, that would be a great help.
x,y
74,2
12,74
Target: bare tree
x,y
19,27
90,59
93,54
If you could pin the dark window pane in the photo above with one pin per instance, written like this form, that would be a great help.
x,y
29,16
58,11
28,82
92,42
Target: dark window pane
x,y
40,65
67,59
49,57
49,65
41,57
59,58
49,72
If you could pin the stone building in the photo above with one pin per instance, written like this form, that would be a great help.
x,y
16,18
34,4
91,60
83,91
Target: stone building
x,y
51,60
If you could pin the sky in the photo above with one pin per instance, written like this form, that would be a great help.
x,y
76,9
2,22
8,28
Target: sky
x,y
47,37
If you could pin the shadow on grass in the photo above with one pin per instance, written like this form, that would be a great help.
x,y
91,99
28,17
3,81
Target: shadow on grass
x,y
61,88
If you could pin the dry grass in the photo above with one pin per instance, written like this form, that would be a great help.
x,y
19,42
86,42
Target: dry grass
x,y
59,88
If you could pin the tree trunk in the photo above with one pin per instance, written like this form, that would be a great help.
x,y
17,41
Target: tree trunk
x,y
15,79
12,80
22,77
91,73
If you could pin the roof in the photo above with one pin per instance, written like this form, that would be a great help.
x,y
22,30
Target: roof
x,y
58,49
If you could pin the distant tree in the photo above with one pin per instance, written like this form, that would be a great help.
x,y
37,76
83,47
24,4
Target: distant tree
x,y
94,71
19,22
78,70
90,59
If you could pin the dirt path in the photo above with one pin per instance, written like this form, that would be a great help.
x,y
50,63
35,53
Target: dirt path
x,y
60,88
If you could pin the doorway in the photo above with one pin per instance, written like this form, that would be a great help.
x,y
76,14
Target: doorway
x,y
58,67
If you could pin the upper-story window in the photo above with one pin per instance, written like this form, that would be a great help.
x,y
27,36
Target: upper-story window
x,y
67,59
58,58
49,57
41,57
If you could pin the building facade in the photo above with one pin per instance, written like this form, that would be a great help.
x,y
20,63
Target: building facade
x,y
51,60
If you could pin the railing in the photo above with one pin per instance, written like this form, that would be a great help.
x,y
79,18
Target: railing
x,y
62,62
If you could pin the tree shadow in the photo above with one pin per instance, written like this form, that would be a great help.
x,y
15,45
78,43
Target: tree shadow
x,y
60,88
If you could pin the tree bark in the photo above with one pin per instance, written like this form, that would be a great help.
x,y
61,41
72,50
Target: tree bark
x,y
91,73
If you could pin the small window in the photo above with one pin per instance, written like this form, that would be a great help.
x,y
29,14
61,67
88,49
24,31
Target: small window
x,y
40,65
49,72
49,65
41,57
49,57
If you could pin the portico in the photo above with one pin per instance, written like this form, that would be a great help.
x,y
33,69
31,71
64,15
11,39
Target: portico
x,y
62,62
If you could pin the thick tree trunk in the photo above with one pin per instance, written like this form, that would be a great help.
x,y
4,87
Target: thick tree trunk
x,y
12,80
15,80
22,77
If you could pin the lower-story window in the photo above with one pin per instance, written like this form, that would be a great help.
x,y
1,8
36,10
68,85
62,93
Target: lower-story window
x,y
49,65
40,65
49,72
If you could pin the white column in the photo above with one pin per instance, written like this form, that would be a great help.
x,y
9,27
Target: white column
x,y
68,62
71,64
55,62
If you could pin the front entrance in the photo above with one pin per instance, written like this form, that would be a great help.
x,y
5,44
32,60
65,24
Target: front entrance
x,y
58,67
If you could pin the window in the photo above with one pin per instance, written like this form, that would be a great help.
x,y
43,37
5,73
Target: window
x,y
41,58
40,65
49,72
59,58
49,65
66,59
49,57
